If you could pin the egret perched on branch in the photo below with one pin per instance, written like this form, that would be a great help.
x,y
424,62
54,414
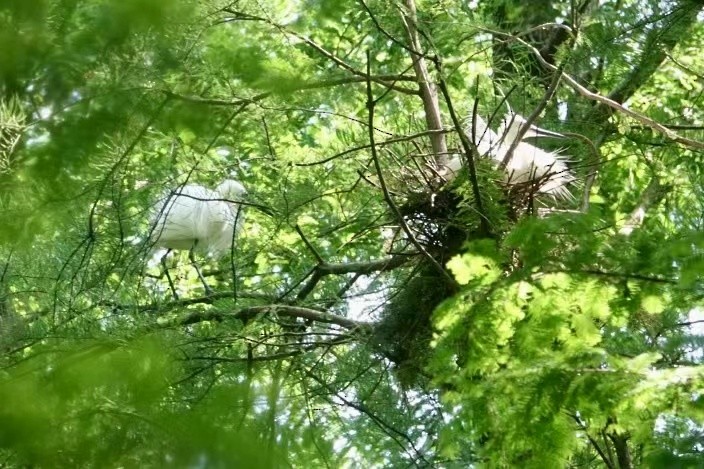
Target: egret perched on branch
x,y
195,218
528,164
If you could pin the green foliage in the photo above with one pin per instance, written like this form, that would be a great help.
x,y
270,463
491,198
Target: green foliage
x,y
102,404
375,311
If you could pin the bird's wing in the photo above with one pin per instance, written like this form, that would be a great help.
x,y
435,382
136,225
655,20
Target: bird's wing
x,y
179,215
223,222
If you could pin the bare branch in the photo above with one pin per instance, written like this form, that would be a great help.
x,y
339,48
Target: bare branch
x,y
360,407
384,32
428,93
647,121
604,457
617,275
246,314
687,69
261,96
651,196
309,286
304,313
381,265
547,96
389,141
310,247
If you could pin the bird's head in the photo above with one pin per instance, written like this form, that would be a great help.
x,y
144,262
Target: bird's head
x,y
512,123
231,190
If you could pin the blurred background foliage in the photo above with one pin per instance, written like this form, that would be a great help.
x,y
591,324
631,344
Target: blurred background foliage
x,y
568,334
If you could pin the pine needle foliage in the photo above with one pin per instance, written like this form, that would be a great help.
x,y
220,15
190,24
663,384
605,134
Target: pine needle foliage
x,y
377,310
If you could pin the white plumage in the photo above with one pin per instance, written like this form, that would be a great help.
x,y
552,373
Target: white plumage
x,y
198,218
528,164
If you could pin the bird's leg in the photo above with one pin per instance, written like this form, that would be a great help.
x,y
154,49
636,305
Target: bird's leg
x,y
166,272
208,290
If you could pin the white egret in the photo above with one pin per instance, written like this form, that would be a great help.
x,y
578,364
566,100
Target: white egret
x,y
195,218
487,141
528,163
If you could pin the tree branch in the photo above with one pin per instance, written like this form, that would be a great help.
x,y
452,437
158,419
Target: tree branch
x,y
308,244
618,275
428,93
318,48
361,408
380,265
389,141
623,453
309,286
303,87
246,314
651,196
647,121
658,43
547,96
470,150
604,457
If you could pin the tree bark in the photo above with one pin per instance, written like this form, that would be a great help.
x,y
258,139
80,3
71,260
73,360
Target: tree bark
x,y
428,91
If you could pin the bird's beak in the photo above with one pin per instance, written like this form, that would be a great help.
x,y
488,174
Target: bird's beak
x,y
511,121
262,208
536,132
267,210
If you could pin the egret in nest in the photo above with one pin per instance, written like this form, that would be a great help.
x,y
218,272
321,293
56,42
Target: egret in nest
x,y
547,171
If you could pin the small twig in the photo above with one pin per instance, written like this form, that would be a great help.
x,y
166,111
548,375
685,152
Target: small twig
x,y
322,112
367,180
385,142
261,96
272,152
321,50
618,275
596,161
312,249
685,68
384,32
386,427
607,461
364,268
